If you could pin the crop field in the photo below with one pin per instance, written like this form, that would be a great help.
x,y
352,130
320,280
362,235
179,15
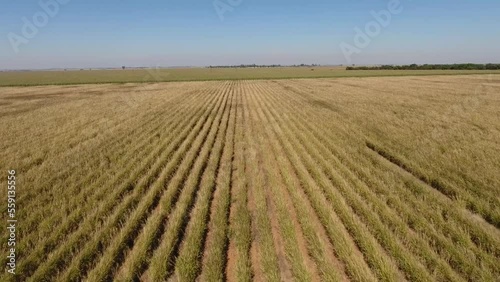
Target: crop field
x,y
86,76
348,179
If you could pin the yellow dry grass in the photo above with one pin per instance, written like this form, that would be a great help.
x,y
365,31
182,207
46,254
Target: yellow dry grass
x,y
353,179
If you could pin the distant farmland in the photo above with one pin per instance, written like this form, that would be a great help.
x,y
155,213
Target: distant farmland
x,y
33,78
352,179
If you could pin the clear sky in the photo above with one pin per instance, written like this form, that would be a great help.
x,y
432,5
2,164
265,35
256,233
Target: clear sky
x,y
112,33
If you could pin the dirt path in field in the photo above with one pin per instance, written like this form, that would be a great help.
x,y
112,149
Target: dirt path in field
x,y
273,203
328,249
232,252
319,226
302,243
285,268
238,258
279,244
254,249
215,253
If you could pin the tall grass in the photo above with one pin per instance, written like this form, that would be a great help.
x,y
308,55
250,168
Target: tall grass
x,y
283,180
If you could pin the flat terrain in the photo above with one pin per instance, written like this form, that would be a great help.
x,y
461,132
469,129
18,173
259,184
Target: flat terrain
x,y
352,179
33,78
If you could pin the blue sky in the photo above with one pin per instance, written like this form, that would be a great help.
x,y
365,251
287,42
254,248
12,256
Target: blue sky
x,y
91,33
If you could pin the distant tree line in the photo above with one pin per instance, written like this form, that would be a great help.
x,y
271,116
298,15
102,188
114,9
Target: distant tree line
x,y
431,67
263,66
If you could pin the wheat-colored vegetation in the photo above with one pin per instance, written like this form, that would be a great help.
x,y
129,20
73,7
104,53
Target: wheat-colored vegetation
x,y
149,75
352,179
